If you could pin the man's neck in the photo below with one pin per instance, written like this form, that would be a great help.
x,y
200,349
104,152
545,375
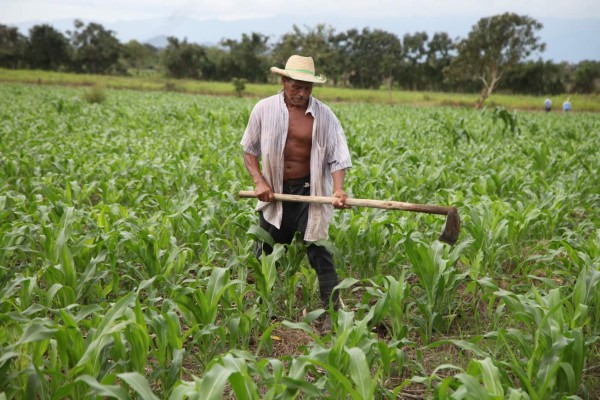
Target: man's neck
x,y
290,106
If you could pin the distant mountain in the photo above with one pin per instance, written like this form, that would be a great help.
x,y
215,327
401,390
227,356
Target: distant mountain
x,y
159,41
566,40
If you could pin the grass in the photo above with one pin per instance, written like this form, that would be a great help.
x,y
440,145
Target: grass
x,y
581,102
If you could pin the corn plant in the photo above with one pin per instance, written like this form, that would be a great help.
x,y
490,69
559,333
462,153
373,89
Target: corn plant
x,y
438,281
550,357
481,380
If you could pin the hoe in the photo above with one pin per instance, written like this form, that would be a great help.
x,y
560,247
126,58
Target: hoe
x,y
451,229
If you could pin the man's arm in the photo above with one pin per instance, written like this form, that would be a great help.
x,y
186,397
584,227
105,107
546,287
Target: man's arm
x,y
338,189
261,187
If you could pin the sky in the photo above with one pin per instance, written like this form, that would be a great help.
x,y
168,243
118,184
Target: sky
x,y
14,11
571,28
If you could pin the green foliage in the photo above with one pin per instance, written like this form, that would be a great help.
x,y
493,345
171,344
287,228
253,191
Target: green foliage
x,y
12,47
127,264
239,85
139,57
47,49
494,45
183,59
95,49
95,95
247,58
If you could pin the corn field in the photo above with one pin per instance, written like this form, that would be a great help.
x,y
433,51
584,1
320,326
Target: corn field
x,y
127,265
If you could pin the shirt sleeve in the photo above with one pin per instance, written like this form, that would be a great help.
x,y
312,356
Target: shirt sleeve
x,y
251,139
339,156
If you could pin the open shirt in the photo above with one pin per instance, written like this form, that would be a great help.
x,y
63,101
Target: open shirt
x,y
265,137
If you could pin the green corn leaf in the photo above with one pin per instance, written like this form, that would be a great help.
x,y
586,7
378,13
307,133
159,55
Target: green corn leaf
x,y
472,388
115,312
360,373
491,378
213,382
306,387
241,381
261,235
138,383
99,389
37,330
338,378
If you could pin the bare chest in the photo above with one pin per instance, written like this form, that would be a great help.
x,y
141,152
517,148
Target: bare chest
x,y
300,128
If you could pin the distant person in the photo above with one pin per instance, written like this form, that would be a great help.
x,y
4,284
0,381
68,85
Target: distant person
x,y
548,105
567,105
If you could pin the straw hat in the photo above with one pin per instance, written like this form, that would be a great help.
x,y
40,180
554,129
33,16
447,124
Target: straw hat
x,y
301,69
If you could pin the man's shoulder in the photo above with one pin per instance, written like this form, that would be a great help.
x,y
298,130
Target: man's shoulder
x,y
269,101
322,108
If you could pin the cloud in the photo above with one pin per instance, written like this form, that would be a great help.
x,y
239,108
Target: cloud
x,y
113,10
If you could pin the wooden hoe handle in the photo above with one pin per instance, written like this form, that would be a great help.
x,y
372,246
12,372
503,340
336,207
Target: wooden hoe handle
x,y
387,204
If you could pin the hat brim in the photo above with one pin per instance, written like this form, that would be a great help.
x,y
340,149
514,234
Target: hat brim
x,y
299,76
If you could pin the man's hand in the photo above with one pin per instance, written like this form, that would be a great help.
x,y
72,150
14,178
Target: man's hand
x,y
264,192
261,187
340,201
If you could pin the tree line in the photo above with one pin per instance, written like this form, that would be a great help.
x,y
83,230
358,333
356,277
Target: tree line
x,y
497,54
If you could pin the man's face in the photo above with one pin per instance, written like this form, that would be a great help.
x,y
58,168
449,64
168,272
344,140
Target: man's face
x,y
297,92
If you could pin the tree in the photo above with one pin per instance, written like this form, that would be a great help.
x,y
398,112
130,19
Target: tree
x,y
587,77
96,50
413,54
139,56
247,58
494,45
12,47
375,55
48,49
440,51
534,77
183,59
316,42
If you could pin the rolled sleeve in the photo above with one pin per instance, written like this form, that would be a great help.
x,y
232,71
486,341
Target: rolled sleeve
x,y
251,140
340,156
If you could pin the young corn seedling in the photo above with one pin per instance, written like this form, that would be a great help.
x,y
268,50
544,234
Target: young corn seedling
x,y
549,359
438,280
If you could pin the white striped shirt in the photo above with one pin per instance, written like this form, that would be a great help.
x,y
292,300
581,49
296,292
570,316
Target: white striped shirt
x,y
265,137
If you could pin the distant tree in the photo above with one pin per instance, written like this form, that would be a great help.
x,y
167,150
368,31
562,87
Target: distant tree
x,y
138,56
341,65
440,51
375,56
48,49
587,77
494,45
533,77
12,47
215,57
316,42
247,58
183,59
289,44
414,53
96,50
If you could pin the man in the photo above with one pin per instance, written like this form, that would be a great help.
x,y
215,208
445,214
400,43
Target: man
x,y
303,151
548,105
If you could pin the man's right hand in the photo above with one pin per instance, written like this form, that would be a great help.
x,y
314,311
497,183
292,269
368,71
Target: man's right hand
x,y
264,192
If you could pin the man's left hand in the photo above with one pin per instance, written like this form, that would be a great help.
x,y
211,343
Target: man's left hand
x,y
340,199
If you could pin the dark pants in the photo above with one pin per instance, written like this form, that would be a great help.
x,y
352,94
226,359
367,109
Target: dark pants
x,y
295,218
